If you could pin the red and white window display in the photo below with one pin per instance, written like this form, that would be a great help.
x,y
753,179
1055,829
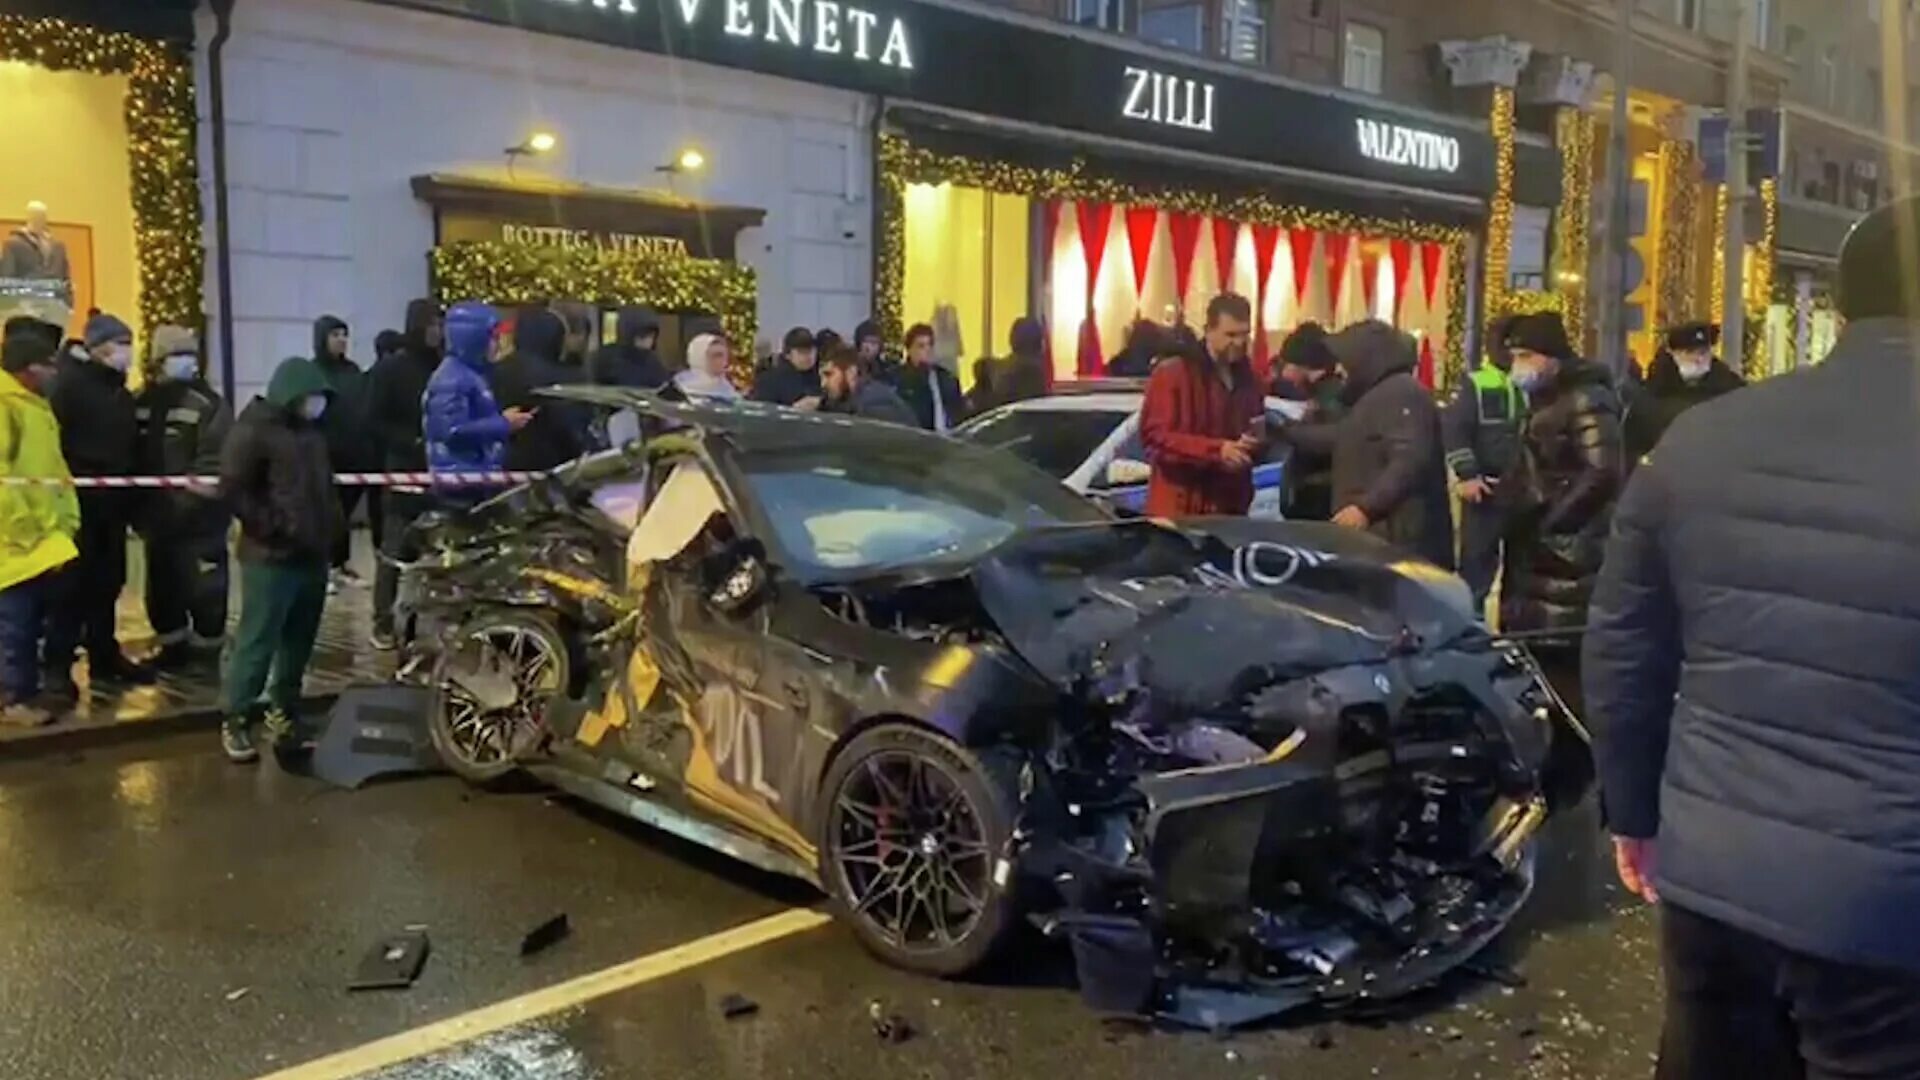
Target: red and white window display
x,y
1110,265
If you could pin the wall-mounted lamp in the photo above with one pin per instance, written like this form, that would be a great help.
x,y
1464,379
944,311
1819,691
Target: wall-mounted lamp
x,y
535,144
686,161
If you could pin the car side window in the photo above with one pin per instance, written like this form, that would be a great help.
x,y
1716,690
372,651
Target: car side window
x,y
1125,446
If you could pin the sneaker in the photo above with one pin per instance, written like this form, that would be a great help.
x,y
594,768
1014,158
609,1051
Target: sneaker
x,y
383,640
236,741
25,715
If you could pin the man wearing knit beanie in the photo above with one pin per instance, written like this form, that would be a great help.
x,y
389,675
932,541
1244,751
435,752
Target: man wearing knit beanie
x,y
98,434
1309,372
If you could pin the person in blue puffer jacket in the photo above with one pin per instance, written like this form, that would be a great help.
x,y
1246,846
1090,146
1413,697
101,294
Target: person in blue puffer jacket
x,y
465,429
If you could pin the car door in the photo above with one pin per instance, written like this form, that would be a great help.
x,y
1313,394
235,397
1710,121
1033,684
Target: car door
x,y
703,704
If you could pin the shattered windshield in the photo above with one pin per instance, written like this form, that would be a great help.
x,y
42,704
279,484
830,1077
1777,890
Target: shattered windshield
x,y
835,513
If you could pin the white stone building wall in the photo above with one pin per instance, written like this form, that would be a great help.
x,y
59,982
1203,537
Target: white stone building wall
x,y
334,105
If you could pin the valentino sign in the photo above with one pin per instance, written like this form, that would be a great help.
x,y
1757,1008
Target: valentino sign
x,y
1398,145
831,27
1168,99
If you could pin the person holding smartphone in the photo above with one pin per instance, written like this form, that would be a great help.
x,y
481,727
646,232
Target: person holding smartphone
x,y
1203,421
466,430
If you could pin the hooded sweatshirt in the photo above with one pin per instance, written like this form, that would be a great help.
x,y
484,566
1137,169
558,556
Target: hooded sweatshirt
x,y
558,431
1387,456
624,363
696,382
398,383
276,475
351,438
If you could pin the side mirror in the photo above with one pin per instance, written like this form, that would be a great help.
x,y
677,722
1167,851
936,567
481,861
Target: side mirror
x,y
746,579
1125,472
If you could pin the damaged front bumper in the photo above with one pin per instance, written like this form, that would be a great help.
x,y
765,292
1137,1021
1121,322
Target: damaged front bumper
x,y
1375,831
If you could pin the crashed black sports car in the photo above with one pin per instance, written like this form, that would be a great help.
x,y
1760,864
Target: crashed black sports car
x,y
1241,766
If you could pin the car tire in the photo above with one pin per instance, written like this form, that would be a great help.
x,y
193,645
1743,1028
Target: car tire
x,y
979,794
455,739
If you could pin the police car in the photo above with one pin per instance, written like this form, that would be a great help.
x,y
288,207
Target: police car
x,y
1087,433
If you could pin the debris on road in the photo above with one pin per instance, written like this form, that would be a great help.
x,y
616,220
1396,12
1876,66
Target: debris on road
x,y
393,963
546,935
236,995
735,1006
889,1027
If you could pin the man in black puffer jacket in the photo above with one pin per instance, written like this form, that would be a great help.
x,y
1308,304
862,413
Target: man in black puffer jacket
x,y
1571,468
353,441
557,433
1751,668
630,360
1685,373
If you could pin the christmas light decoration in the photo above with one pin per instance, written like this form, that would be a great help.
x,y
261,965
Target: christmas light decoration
x,y
502,273
160,117
1573,219
1500,208
1718,304
1760,285
903,163
1678,296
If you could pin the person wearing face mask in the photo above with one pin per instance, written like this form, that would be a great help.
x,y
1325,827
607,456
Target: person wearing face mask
x,y
38,522
1570,472
1685,374
98,434
277,475
1481,430
183,427
708,359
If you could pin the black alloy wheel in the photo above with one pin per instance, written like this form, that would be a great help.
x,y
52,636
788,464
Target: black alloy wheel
x,y
911,841
486,745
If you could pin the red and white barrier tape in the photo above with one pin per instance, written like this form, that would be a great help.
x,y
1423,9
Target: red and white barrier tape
x,y
381,479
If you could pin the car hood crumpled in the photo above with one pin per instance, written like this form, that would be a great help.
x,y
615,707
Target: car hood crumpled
x,y
1215,609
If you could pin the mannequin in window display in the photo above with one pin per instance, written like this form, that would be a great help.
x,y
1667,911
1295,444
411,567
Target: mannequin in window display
x,y
32,252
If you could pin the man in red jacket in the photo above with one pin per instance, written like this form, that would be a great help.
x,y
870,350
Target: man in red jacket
x,y
1202,420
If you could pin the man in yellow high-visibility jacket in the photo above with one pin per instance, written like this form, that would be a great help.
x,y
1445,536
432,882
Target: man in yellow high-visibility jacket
x,y
37,520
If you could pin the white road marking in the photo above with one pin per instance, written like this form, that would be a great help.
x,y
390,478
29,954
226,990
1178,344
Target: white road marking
x,y
451,1032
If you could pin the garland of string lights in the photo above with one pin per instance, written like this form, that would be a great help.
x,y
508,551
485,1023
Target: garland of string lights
x,y
1573,219
1678,295
502,273
1758,284
1500,208
160,117
903,163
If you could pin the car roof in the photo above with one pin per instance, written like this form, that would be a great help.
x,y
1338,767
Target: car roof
x,y
754,425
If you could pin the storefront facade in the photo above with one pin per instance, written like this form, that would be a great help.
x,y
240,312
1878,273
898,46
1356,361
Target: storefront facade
x,y
902,157
339,111
97,101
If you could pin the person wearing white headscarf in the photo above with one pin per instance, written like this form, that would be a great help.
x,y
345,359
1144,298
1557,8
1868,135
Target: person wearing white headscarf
x,y
706,374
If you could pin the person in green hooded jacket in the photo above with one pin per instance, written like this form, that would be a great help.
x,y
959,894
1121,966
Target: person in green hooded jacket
x,y
276,475
37,521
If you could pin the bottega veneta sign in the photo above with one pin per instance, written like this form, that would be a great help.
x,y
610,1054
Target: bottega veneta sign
x,y
828,27
1395,144
1159,98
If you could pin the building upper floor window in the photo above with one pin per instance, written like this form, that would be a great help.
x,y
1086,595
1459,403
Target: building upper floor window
x,y
1179,25
1243,31
1794,44
1826,85
1762,25
1364,58
1870,96
1117,15
1688,13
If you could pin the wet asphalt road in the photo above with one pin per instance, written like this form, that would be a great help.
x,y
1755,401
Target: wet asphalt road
x,y
143,888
